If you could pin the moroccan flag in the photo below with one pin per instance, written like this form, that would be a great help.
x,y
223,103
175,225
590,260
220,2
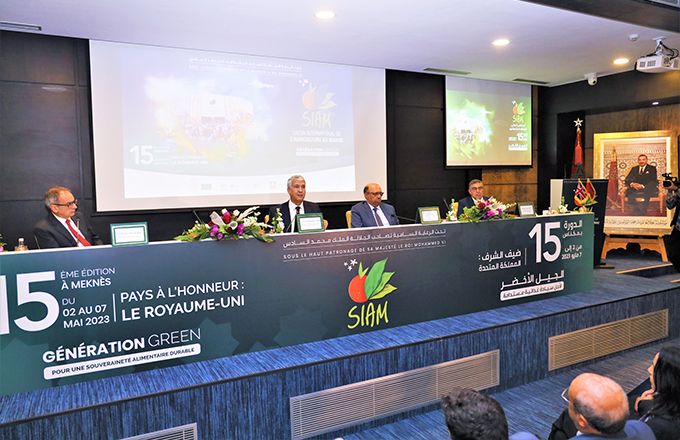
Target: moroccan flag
x,y
613,184
577,163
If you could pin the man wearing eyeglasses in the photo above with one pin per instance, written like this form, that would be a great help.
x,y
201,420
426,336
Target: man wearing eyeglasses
x,y
373,212
476,191
61,227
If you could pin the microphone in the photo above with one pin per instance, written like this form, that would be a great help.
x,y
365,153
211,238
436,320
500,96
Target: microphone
x,y
446,205
289,228
407,219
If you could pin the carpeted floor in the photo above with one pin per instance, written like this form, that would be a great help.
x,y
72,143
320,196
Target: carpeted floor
x,y
531,407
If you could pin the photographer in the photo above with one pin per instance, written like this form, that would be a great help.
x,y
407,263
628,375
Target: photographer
x,y
673,201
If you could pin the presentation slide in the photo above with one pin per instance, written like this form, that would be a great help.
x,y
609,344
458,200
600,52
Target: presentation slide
x,y
488,123
178,128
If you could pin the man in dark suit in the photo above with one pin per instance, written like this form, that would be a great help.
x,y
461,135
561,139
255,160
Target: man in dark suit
x,y
297,190
673,246
61,227
476,191
373,212
641,185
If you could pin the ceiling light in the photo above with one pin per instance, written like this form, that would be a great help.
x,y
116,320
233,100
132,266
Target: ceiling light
x,y
621,61
655,103
500,42
324,15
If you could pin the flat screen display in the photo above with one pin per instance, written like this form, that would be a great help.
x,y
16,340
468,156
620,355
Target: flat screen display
x,y
488,123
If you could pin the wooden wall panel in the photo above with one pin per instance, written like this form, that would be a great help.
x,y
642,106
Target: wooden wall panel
x,y
37,58
40,142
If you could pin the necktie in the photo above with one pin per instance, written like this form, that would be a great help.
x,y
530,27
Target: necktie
x,y
297,212
641,168
77,234
377,217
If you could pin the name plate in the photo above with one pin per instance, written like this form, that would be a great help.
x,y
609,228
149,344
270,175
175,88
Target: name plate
x,y
127,234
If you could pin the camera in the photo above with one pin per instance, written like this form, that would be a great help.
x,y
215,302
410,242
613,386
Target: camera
x,y
669,180
591,78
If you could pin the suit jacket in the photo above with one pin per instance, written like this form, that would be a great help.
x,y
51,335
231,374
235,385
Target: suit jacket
x,y
634,430
50,233
362,215
648,178
309,207
466,202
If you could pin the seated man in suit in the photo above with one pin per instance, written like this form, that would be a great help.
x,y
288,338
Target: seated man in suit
x,y
61,227
641,184
297,190
476,191
598,406
373,212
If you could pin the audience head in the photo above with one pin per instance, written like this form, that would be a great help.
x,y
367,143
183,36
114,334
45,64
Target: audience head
x,y
476,189
297,189
60,202
642,160
471,415
665,377
373,194
597,404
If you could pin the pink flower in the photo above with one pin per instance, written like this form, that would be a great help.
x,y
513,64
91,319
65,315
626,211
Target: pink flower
x,y
239,229
220,236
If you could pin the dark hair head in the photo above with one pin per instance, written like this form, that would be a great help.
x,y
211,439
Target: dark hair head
x,y
470,415
667,382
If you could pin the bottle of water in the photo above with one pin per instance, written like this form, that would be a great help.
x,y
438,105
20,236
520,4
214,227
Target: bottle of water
x,y
21,246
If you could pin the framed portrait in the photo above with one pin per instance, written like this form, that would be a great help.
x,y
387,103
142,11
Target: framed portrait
x,y
634,163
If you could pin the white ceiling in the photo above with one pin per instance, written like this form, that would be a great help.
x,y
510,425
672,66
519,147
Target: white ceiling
x,y
547,44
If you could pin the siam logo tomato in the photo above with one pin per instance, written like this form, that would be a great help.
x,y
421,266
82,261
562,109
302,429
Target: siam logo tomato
x,y
356,289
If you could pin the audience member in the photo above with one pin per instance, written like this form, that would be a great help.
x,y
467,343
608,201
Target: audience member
x,y
471,415
641,184
673,201
62,227
297,190
373,212
659,406
598,408
476,191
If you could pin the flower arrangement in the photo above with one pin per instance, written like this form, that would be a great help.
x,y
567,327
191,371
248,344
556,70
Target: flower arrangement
x,y
2,244
563,208
277,222
229,225
489,209
451,213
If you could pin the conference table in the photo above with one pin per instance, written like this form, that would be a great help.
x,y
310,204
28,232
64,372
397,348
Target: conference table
x,y
70,315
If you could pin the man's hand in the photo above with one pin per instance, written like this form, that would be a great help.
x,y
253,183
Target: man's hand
x,y
637,186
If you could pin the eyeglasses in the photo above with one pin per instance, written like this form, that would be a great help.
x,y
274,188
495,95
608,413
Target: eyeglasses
x,y
565,394
67,204
376,193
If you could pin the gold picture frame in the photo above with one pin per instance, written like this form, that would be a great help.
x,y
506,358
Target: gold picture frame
x,y
635,209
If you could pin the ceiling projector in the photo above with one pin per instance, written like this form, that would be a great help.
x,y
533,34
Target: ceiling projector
x,y
663,59
657,64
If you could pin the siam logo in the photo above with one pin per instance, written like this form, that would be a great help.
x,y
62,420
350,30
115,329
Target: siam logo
x,y
368,286
518,112
318,102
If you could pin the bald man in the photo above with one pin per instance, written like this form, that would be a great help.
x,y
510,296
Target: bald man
x,y
373,212
598,406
